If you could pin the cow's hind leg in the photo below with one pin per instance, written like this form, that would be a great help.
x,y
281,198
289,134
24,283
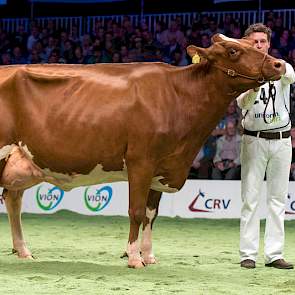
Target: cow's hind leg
x,y
139,177
152,209
13,202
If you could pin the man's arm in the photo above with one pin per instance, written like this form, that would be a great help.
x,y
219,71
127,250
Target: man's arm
x,y
246,100
289,76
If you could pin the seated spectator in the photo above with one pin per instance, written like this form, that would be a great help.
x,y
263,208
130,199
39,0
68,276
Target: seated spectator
x,y
34,57
78,57
17,56
96,57
178,58
6,58
227,157
116,57
232,114
172,32
201,166
33,38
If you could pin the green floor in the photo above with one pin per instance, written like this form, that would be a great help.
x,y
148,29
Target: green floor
x,y
80,255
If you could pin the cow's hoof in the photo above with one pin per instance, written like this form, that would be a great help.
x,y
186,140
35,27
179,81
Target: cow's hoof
x,y
151,259
136,264
23,254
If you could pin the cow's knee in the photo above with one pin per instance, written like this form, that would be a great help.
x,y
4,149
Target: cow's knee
x,y
137,215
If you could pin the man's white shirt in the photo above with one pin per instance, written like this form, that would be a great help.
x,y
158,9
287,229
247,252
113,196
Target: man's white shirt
x,y
257,106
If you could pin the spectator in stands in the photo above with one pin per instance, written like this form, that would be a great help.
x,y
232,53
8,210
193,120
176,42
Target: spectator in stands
x,y
227,157
116,57
17,56
52,44
200,166
87,45
78,56
96,57
205,40
33,38
20,37
74,35
6,58
136,52
68,53
173,32
34,57
212,28
169,49
194,35
5,44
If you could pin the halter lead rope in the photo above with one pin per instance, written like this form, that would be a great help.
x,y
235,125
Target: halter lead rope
x,y
271,95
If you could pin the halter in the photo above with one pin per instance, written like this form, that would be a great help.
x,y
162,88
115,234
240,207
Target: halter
x,y
233,73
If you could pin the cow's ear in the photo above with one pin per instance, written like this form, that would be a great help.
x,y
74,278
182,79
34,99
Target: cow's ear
x,y
218,38
193,50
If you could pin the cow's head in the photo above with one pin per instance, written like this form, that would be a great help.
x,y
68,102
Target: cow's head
x,y
239,60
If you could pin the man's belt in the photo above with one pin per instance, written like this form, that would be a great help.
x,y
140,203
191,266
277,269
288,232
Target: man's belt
x,y
268,135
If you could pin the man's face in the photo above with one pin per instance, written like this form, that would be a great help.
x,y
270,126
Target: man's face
x,y
261,42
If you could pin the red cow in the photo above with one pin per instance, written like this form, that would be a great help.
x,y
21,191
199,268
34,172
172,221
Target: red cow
x,y
75,125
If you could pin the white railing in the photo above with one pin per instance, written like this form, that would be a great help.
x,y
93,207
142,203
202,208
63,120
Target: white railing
x,y
86,24
62,22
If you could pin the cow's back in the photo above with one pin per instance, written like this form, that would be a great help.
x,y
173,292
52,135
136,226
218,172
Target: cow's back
x,y
72,117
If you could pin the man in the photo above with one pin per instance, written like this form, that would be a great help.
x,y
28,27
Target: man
x,y
227,157
265,150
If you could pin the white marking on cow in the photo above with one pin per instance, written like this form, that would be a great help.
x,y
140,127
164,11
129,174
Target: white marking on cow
x,y
146,240
69,181
225,38
7,150
133,250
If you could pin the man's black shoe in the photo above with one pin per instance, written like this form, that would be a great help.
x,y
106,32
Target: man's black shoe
x,y
281,264
248,263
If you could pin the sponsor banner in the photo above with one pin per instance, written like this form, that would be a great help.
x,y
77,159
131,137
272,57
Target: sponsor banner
x,y
197,199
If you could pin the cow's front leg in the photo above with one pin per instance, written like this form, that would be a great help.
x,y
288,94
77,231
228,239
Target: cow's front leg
x,y
139,177
13,202
152,209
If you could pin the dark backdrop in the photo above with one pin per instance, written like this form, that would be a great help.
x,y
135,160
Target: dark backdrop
x,y
22,8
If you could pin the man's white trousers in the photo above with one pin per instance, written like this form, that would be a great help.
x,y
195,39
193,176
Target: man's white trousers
x,y
273,157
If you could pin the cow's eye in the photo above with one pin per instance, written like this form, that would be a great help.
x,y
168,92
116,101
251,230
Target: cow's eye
x,y
232,51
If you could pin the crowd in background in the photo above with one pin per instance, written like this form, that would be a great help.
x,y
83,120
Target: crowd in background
x,y
112,42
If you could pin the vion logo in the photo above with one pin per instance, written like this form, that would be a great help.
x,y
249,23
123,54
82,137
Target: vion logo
x,y
201,203
48,196
290,207
96,199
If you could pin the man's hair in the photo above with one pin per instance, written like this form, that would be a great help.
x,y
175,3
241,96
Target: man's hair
x,y
258,28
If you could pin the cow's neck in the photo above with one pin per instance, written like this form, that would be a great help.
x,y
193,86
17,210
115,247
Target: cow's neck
x,y
205,98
